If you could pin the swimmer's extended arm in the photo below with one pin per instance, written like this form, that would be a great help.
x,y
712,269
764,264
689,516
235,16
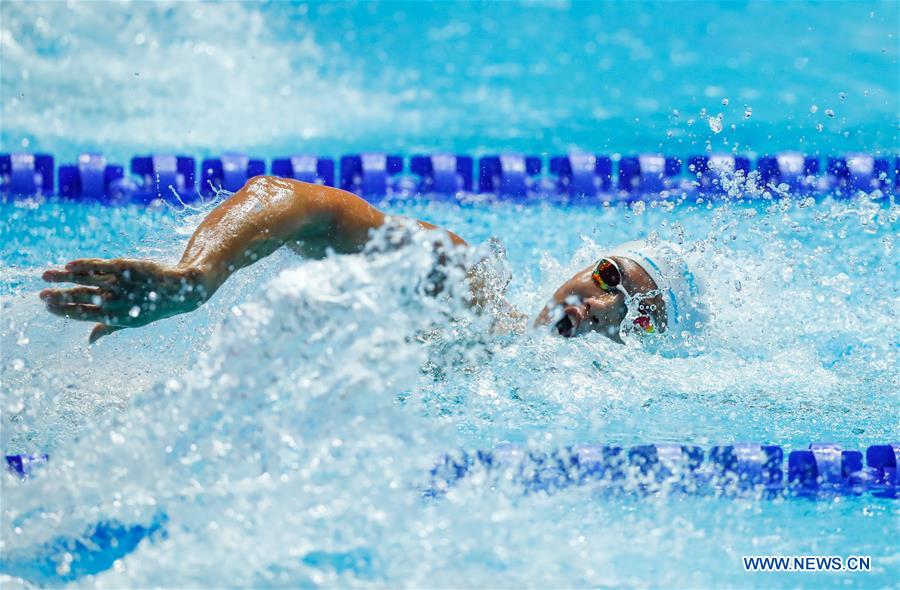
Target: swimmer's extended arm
x,y
264,215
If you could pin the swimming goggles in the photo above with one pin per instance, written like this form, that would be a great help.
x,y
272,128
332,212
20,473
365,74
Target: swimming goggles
x,y
608,277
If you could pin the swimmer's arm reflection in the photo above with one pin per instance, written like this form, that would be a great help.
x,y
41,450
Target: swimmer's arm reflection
x,y
264,215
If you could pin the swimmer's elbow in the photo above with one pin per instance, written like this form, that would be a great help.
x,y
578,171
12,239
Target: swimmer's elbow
x,y
277,191
261,183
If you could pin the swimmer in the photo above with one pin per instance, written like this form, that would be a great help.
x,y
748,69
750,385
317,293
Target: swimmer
x,y
632,288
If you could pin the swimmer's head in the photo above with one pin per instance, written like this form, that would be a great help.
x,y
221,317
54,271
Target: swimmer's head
x,y
647,289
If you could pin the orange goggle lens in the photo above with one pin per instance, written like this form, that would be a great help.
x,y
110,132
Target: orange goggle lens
x,y
606,275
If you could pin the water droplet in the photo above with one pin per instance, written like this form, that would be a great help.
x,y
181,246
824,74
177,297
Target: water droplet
x,y
748,112
724,102
814,108
135,311
829,113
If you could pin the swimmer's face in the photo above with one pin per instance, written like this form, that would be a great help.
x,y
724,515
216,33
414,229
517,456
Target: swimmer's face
x,y
588,308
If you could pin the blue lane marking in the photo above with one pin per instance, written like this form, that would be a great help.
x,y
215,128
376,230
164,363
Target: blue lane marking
x,y
378,174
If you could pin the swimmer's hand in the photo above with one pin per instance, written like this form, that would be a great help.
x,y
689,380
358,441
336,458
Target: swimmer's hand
x,y
123,293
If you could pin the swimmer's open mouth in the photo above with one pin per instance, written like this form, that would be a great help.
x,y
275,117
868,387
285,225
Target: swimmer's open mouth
x,y
565,327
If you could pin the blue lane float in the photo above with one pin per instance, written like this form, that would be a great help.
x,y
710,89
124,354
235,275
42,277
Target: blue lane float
x,y
230,172
26,174
370,174
91,179
823,467
582,175
823,471
574,177
157,175
711,171
858,172
648,173
66,559
508,175
796,171
442,174
24,465
306,168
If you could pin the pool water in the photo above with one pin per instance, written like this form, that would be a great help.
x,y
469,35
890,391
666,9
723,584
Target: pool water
x,y
283,434
330,78
287,428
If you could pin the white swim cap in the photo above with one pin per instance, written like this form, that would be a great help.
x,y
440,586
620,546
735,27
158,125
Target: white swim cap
x,y
681,290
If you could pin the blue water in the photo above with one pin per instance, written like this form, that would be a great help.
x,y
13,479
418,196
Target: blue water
x,y
276,78
282,434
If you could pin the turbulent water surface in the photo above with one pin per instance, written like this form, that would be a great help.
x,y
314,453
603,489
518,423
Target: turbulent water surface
x,y
284,432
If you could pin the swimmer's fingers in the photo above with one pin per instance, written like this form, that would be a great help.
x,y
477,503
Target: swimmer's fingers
x,y
127,268
93,279
98,265
91,295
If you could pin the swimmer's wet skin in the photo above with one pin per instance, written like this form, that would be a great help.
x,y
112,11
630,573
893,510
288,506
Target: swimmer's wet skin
x,y
270,212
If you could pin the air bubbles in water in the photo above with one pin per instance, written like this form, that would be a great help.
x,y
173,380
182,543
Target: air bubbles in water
x,y
715,123
842,95
748,112
829,113
724,102
814,108
135,311
820,127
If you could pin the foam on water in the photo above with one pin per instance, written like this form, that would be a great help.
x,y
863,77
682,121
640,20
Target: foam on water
x,y
284,432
